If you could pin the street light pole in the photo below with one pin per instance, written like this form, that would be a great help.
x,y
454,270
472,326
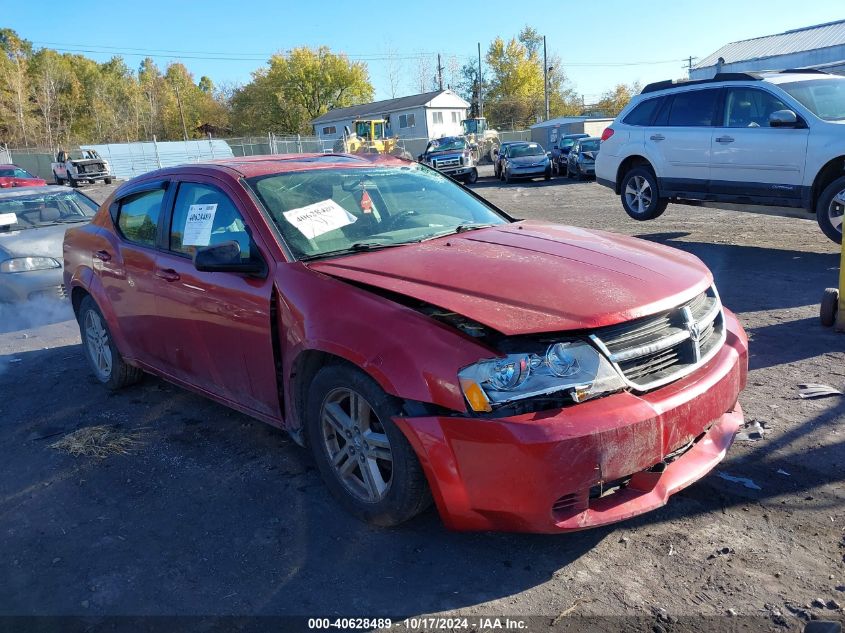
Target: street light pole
x,y
545,78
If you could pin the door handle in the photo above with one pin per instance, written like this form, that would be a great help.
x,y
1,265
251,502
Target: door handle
x,y
657,137
725,139
103,255
168,274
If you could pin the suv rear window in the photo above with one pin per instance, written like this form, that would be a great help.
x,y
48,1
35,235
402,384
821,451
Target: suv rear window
x,y
692,109
643,113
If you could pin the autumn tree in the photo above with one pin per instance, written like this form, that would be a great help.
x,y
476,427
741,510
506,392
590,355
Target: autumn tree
x,y
612,101
297,87
15,88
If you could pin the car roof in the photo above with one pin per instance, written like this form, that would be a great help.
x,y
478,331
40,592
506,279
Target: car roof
x,y
577,135
262,165
22,191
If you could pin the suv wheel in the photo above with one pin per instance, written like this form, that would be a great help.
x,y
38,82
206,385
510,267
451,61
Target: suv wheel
x,y
831,208
363,457
640,196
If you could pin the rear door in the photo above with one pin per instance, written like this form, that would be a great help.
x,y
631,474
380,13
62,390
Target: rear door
x,y
216,325
678,142
126,268
749,158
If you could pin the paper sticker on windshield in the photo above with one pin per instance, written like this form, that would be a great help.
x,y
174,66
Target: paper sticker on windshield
x,y
198,225
318,218
8,218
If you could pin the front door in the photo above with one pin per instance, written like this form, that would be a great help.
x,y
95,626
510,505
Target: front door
x,y
678,143
749,158
216,325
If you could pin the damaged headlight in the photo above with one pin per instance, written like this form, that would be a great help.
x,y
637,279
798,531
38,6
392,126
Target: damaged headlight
x,y
573,367
24,264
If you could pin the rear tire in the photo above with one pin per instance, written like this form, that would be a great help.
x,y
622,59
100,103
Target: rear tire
x,y
830,208
640,195
363,457
102,354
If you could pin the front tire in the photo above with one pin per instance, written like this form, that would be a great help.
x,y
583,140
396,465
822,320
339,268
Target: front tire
x,y
59,181
830,209
70,180
102,354
640,195
107,181
363,457
471,177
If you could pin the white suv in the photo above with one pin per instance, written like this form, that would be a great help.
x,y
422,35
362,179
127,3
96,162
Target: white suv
x,y
772,138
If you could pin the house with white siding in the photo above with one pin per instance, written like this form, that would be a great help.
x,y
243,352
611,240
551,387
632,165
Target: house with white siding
x,y
428,115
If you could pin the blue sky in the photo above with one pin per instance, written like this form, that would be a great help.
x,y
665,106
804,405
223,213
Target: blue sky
x,y
600,43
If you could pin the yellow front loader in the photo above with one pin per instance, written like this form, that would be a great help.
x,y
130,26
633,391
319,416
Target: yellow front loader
x,y
370,137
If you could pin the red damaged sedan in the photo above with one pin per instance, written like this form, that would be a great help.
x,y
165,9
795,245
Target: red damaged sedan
x,y
425,345
14,176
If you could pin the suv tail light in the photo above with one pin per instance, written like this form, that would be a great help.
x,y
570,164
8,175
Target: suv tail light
x,y
608,132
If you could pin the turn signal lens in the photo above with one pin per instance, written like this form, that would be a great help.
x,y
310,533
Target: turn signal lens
x,y
475,396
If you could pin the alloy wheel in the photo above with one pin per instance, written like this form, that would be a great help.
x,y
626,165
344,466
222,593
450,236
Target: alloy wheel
x,y
638,194
836,210
356,444
97,342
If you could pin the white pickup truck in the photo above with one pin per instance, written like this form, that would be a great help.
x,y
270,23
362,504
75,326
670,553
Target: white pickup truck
x,y
80,165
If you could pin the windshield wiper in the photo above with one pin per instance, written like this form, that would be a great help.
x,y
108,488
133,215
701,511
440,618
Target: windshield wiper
x,y
461,228
357,247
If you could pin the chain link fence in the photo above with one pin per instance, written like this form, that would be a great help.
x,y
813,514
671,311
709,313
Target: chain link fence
x,y
128,160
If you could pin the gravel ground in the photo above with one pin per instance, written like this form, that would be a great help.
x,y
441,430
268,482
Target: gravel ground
x,y
214,513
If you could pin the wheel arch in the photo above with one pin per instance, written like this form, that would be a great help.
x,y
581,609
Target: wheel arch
x,y
832,170
635,160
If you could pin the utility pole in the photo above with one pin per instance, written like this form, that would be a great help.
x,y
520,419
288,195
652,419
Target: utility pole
x,y
480,100
181,112
690,59
545,78
439,73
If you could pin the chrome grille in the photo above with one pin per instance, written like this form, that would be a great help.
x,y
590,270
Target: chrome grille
x,y
656,350
447,162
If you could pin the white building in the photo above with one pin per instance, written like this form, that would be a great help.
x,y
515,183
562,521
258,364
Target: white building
x,y
428,115
821,46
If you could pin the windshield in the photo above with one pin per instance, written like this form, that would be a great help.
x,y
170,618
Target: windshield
x,y
823,97
530,149
329,211
15,172
445,144
590,146
567,142
44,209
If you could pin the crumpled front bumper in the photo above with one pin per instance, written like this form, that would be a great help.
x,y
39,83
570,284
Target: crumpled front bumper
x,y
555,471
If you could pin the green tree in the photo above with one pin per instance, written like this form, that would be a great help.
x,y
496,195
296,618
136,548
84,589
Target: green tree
x,y
612,101
15,88
298,87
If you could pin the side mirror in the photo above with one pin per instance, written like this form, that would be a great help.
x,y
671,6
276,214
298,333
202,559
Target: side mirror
x,y
783,118
226,258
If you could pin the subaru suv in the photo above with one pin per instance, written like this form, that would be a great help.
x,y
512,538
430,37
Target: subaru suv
x,y
774,138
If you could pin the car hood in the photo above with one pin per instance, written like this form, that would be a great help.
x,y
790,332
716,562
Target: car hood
x,y
531,277
45,241
527,160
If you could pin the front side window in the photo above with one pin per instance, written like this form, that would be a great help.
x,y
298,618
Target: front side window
x,y
437,117
138,217
205,216
750,107
378,130
327,211
693,109
823,97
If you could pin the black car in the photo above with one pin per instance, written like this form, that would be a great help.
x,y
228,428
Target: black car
x,y
581,161
450,155
560,150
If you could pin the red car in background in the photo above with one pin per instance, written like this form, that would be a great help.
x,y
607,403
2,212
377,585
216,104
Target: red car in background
x,y
14,176
425,345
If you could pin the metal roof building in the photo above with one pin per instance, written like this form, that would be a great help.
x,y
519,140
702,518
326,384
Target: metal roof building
x,y
821,46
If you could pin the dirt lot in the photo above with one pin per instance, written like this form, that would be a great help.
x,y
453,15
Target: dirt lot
x,y
213,513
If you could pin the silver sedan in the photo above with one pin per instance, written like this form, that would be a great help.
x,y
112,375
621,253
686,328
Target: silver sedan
x,y
33,221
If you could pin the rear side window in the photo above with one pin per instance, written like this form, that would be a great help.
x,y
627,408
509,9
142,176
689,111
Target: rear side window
x,y
138,217
693,109
643,113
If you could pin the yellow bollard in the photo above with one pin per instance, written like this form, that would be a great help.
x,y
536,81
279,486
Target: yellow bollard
x,y
840,312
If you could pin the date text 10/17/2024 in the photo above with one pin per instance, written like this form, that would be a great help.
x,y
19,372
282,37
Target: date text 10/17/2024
x,y
480,624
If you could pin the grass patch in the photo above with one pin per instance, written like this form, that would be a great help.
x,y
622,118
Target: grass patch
x,y
98,441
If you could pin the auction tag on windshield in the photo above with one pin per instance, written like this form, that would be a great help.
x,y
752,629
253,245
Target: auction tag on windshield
x,y
198,225
8,218
318,218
